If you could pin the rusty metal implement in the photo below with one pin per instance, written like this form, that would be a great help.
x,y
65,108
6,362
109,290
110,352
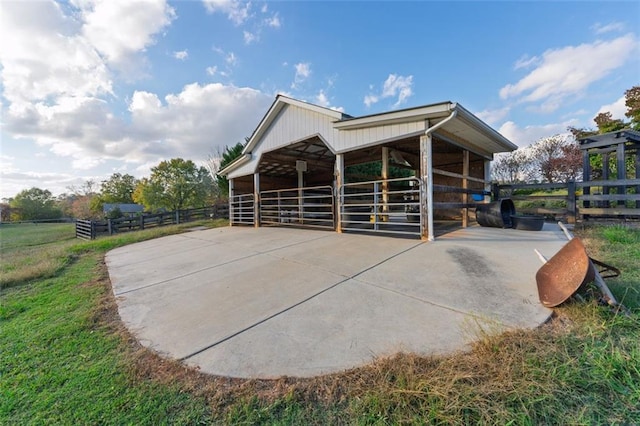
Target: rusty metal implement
x,y
564,274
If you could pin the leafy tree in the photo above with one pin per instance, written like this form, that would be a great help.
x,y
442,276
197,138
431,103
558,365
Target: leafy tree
x,y
174,185
511,167
555,159
606,123
83,200
35,203
118,188
229,155
632,102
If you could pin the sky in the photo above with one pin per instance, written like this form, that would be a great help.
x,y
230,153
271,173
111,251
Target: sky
x,y
91,88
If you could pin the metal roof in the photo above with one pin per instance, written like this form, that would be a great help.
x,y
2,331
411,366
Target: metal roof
x,y
465,129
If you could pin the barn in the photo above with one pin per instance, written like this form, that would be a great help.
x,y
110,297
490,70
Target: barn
x,y
403,172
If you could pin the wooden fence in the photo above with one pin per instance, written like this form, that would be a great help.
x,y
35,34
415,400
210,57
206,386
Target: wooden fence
x,y
618,199
90,229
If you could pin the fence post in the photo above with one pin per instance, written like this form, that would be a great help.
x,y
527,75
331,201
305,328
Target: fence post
x,y
109,227
141,222
495,191
177,217
571,201
93,229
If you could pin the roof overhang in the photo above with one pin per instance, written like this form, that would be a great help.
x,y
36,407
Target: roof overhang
x,y
243,159
464,126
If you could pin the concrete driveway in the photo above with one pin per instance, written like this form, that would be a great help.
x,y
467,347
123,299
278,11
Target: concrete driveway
x,y
268,302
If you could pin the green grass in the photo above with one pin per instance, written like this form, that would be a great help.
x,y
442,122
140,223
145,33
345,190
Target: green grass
x,y
30,251
66,359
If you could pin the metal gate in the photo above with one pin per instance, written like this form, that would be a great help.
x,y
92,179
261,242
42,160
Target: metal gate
x,y
310,207
241,209
390,206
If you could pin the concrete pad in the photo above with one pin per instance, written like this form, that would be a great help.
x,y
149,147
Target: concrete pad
x,y
267,302
329,334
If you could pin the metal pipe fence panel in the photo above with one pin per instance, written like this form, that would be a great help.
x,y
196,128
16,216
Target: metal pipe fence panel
x,y
241,209
388,206
309,207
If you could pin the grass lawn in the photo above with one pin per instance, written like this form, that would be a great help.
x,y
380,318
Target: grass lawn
x,y
66,358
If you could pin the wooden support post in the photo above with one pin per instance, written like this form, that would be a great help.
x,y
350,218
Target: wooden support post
x,y
109,227
300,194
571,201
605,176
426,199
385,184
465,185
637,176
256,199
141,222
495,192
586,176
231,209
339,175
487,175
622,171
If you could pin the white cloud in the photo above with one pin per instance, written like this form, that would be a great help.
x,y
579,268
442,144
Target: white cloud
x,y
524,136
44,56
568,71
249,37
370,100
525,62
323,100
394,86
273,21
15,181
119,29
231,59
181,55
600,28
493,116
617,109
303,71
237,11
212,70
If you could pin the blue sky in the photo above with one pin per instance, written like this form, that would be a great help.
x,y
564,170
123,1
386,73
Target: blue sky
x,y
91,88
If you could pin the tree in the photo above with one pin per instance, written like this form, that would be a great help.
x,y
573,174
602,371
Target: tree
x,y
174,185
229,155
118,188
35,203
555,159
512,167
632,102
606,123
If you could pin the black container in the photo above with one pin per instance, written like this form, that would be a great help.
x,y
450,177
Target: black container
x,y
496,214
528,223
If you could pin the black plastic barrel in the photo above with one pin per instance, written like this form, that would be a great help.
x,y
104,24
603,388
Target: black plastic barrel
x,y
496,214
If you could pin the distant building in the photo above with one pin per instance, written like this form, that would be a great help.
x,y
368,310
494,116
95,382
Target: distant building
x,y
126,209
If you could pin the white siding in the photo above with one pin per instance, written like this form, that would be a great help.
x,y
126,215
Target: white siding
x,y
347,140
246,169
294,124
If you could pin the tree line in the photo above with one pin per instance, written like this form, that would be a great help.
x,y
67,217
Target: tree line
x,y
173,185
558,158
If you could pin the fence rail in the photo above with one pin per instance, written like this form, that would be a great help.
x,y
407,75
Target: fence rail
x,y
90,229
305,207
618,199
389,206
